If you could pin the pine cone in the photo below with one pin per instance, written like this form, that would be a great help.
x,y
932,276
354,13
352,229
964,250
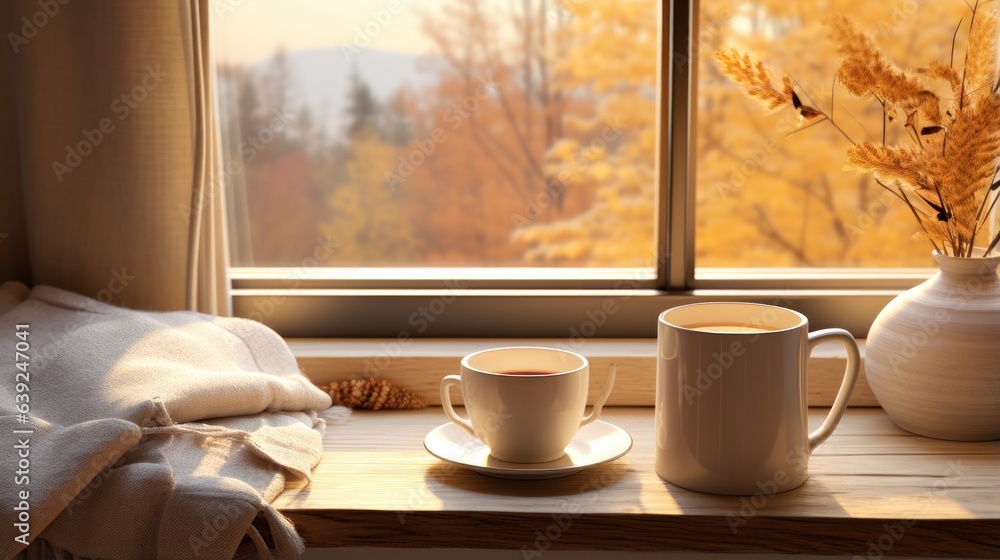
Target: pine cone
x,y
373,393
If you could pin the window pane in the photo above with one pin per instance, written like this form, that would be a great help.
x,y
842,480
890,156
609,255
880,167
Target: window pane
x,y
440,133
770,194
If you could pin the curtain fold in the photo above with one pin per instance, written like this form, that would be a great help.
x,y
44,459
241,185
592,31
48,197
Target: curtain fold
x,y
106,172
208,280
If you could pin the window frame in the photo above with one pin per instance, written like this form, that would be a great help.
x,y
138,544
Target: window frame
x,y
308,301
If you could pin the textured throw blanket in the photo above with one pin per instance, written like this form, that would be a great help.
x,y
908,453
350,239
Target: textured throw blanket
x,y
130,434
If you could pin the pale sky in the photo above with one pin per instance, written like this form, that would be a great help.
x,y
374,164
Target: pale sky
x,y
247,31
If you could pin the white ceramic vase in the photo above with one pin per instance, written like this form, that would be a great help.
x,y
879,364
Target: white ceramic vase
x,y
933,354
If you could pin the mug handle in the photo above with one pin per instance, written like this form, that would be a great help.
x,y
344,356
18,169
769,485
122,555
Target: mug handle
x,y
446,384
602,399
846,387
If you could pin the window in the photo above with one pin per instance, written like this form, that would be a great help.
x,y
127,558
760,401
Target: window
x,y
449,133
535,168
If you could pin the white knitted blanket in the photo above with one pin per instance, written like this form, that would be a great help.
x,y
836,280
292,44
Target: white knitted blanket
x,y
129,434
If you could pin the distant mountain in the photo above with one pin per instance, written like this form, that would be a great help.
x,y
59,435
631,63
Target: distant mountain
x,y
321,78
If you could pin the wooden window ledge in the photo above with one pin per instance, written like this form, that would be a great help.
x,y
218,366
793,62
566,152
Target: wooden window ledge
x,y
874,490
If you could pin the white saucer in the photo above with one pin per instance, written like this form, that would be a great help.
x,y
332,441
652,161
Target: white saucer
x,y
595,443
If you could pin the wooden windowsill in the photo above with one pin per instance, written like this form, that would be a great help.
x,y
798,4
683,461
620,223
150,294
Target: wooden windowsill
x,y
873,490
419,364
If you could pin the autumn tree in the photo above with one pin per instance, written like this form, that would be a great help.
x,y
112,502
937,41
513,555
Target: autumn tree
x,y
498,106
518,47
457,196
611,54
363,217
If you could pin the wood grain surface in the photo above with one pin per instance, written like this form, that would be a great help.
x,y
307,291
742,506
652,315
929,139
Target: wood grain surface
x,y
419,365
874,490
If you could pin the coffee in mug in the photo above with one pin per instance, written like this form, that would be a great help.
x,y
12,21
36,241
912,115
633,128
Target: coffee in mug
x,y
730,327
731,411
524,403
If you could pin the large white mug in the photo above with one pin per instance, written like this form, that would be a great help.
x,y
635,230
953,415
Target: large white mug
x,y
524,403
731,410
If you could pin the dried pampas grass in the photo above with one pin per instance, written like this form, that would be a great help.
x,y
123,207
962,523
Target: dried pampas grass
x,y
865,70
756,78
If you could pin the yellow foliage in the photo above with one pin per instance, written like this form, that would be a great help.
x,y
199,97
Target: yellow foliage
x,y
613,54
770,194
769,190
951,156
365,218
764,198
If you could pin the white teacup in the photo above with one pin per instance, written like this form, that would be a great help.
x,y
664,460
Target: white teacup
x,y
524,403
731,414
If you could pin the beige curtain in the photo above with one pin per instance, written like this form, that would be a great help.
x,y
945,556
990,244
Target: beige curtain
x,y
109,164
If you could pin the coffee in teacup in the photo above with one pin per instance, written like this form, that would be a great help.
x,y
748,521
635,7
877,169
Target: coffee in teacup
x,y
524,403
